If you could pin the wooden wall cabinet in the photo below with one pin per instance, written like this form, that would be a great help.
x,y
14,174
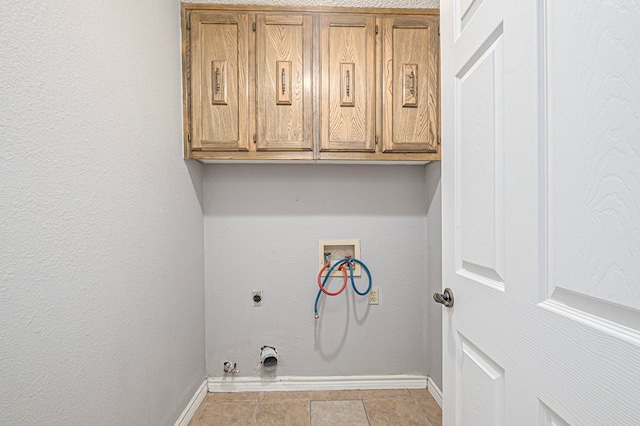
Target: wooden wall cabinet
x,y
283,82
347,83
219,83
410,54
249,85
273,83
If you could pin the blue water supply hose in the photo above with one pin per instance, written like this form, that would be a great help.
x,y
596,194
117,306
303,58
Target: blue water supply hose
x,y
347,260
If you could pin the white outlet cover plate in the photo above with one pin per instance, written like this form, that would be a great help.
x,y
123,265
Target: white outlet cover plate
x,y
339,249
375,291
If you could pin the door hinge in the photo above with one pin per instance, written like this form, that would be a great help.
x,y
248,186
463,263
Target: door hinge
x,y
255,138
376,140
189,22
376,28
438,30
189,138
253,27
439,139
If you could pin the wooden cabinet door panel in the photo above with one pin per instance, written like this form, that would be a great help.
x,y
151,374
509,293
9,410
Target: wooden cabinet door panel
x,y
347,87
219,83
283,82
410,84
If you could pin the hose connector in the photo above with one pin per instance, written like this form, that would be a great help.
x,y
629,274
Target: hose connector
x,y
229,367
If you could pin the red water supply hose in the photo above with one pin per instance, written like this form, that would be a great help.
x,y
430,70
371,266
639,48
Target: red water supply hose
x,y
344,284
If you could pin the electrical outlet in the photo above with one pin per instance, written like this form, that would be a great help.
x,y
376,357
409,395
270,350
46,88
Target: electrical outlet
x,y
256,297
374,296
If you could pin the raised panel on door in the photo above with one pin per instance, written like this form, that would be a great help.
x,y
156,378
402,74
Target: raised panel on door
x,y
480,177
219,81
594,162
410,60
284,82
592,190
480,386
347,85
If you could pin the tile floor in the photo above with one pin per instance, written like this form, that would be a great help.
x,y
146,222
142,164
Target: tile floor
x,y
317,408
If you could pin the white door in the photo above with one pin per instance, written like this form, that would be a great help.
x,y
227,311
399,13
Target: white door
x,y
541,211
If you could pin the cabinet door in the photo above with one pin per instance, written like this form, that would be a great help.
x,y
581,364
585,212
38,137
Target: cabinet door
x,y
347,85
283,82
219,81
410,84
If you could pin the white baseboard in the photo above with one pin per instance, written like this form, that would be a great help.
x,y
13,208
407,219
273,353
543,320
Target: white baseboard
x,y
193,405
256,384
436,393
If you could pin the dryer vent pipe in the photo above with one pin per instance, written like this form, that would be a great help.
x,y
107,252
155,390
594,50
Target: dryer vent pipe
x,y
269,357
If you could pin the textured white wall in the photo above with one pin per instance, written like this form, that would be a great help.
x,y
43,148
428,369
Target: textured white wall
x,y
262,225
101,252
417,4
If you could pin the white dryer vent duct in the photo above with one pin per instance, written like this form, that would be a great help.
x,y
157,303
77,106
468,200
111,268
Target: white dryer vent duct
x,y
269,357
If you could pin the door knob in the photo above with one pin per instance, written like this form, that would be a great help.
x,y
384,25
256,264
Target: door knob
x,y
445,298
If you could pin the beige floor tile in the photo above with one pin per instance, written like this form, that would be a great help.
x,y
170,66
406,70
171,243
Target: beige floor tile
x,y
290,413
394,412
284,396
420,393
196,415
385,393
381,407
232,396
431,411
331,413
227,413
335,395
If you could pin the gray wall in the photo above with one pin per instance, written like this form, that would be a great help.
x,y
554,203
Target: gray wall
x,y
262,226
101,252
434,270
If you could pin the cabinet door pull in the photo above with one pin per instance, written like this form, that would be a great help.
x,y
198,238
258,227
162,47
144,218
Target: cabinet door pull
x,y
412,88
217,80
347,83
283,96
347,75
284,85
410,85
